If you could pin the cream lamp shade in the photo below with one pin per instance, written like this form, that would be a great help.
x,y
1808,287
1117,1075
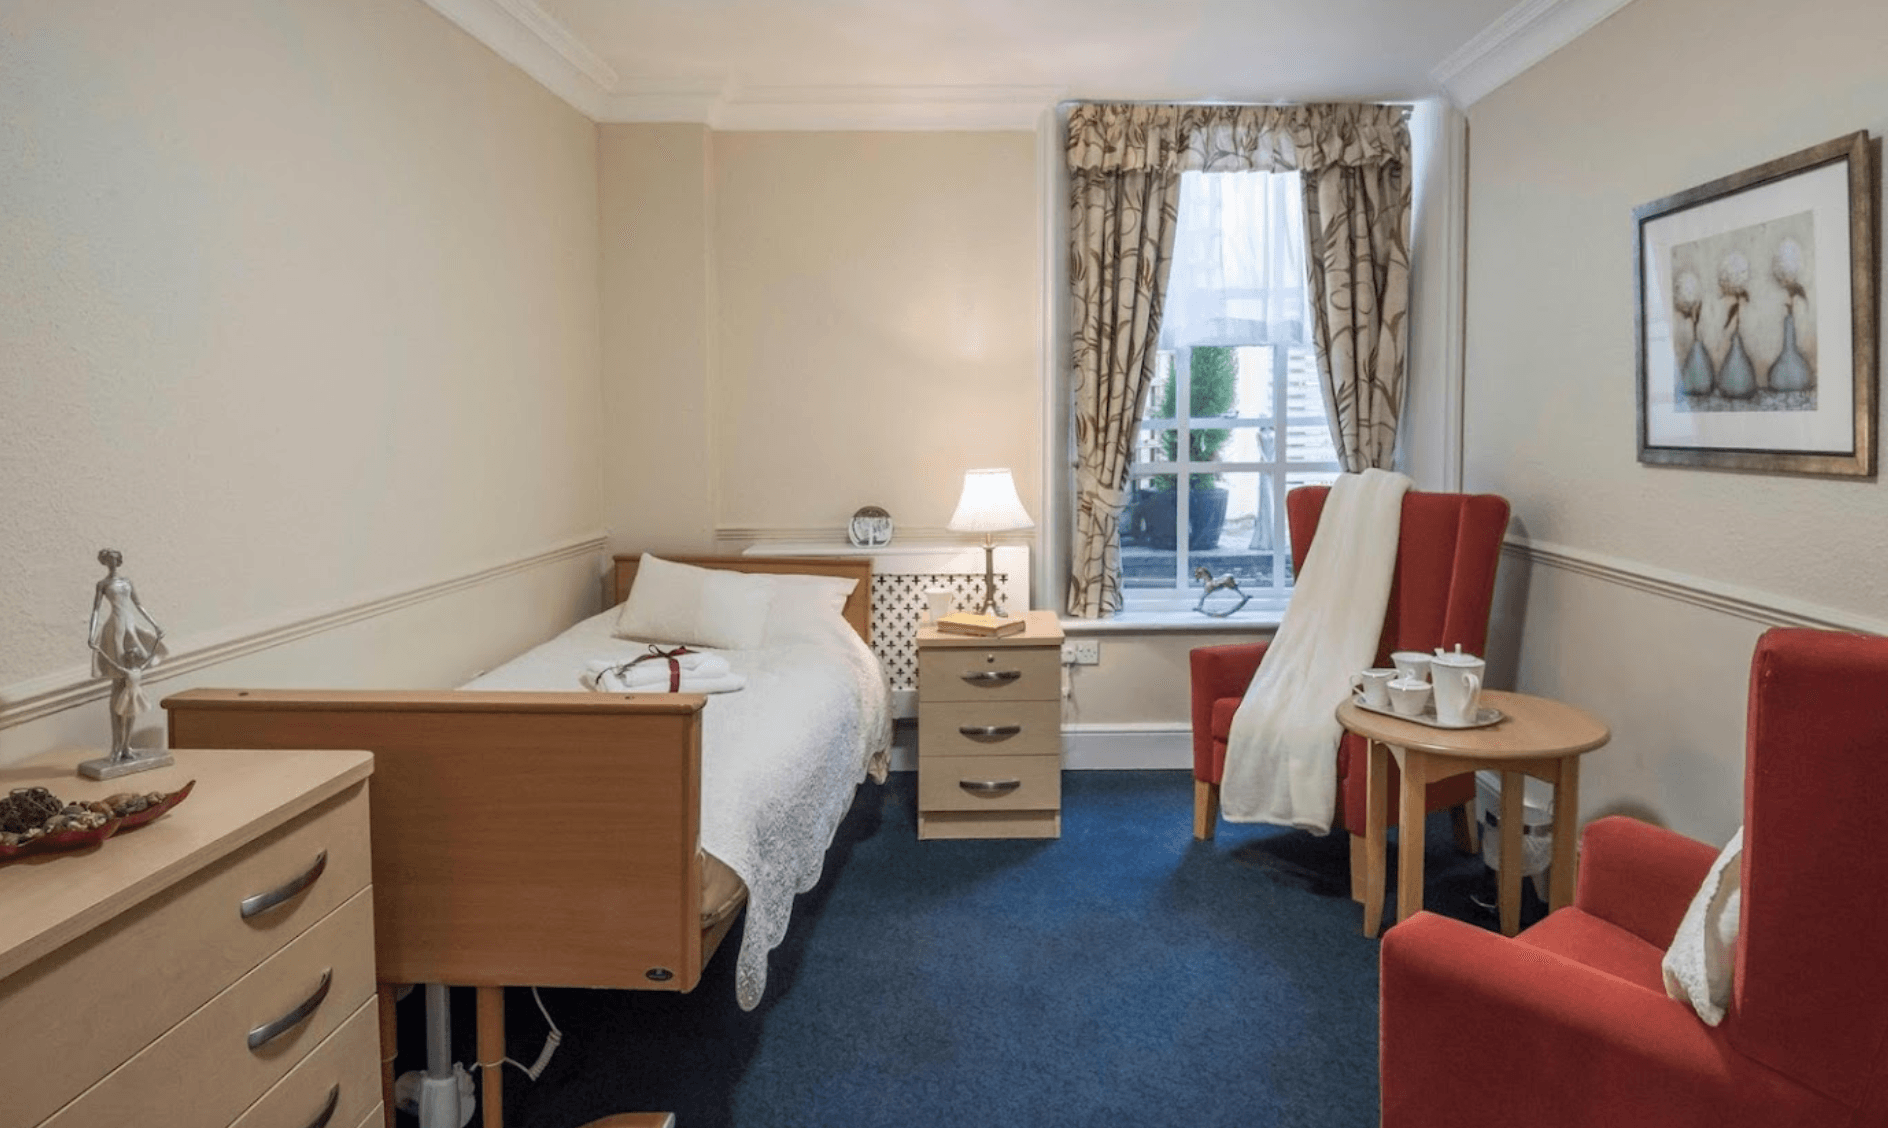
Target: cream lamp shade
x,y
989,505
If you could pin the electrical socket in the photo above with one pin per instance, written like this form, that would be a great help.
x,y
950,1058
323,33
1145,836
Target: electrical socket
x,y
1081,652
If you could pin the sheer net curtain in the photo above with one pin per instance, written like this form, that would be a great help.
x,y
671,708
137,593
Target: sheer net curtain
x,y
1238,273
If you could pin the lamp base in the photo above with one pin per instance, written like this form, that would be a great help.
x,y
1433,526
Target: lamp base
x,y
988,606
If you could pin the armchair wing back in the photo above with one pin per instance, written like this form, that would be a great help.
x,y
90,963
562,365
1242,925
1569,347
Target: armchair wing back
x,y
1441,593
1569,1024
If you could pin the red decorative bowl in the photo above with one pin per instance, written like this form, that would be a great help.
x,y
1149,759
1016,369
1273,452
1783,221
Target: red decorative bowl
x,y
79,839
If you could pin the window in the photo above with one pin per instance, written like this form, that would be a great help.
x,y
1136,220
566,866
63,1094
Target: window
x,y
1235,410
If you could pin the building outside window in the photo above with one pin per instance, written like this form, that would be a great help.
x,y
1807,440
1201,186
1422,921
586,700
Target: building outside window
x,y
1235,415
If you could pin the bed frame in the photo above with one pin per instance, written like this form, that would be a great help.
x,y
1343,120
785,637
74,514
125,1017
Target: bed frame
x,y
546,839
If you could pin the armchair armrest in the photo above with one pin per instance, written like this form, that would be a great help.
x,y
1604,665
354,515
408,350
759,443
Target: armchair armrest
x,y
1216,672
1547,1040
1639,877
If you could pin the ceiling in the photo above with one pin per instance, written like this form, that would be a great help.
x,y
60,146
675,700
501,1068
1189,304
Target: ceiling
x,y
958,63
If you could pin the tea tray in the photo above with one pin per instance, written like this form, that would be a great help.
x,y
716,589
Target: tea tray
x,y
1484,716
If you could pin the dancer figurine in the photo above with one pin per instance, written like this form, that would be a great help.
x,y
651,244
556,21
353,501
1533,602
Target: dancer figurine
x,y
126,642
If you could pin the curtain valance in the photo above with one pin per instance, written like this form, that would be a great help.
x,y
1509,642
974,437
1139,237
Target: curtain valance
x,y
1167,139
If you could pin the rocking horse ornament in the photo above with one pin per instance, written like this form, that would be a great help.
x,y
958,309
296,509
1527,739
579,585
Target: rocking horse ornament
x,y
1227,582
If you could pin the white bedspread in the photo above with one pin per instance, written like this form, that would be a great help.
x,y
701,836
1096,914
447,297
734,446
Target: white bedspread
x,y
780,760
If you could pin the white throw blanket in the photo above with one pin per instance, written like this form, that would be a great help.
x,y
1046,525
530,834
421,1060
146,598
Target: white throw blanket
x,y
1281,755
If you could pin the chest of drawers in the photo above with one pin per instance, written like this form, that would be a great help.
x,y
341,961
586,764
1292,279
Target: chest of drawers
x,y
213,968
990,733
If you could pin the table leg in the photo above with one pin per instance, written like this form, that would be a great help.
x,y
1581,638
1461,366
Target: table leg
x,y
1376,816
1566,823
491,1042
1409,833
1513,791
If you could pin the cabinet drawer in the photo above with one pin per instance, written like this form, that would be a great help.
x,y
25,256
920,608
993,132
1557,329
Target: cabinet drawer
x,y
997,673
203,1071
990,728
982,783
128,981
344,1069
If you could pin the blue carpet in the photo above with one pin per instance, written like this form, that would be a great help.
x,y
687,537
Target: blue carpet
x,y
1123,973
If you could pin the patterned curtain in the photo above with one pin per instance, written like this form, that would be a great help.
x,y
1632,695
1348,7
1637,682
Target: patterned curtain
x,y
1357,215
1124,171
1124,187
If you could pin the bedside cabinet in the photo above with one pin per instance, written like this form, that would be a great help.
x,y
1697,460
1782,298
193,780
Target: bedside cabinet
x,y
990,733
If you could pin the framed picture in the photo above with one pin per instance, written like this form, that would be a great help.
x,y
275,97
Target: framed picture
x,y
1756,308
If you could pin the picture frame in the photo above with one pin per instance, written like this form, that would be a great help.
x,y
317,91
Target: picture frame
x,y
1755,310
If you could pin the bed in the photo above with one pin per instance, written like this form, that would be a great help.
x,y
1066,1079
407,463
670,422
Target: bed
x,y
527,835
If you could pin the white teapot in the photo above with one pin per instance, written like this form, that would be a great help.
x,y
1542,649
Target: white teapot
x,y
1458,681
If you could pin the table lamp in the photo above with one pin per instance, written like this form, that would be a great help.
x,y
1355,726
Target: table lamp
x,y
989,505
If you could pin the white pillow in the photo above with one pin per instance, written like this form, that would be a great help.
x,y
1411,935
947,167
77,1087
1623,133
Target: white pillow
x,y
807,606
680,603
1697,967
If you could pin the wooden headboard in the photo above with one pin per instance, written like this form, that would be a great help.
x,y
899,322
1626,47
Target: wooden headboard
x,y
858,609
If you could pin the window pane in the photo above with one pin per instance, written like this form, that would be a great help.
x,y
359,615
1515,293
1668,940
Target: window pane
x,y
1232,529
1255,382
1310,442
1148,552
1154,444
1249,444
1292,482
1159,403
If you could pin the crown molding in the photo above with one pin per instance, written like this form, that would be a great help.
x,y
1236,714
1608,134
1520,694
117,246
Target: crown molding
x,y
1527,33
529,38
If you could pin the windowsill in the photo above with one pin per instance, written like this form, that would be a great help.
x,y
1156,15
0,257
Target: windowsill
x,y
1264,620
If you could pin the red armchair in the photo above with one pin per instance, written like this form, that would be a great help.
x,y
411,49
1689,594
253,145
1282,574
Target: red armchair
x,y
1440,594
1568,1023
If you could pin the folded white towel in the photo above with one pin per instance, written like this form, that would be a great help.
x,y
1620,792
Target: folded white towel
x,y
610,677
655,668
1281,754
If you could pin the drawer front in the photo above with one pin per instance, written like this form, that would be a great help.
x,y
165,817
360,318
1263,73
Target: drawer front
x,y
983,783
997,673
333,1087
993,728
374,1119
203,1071
171,954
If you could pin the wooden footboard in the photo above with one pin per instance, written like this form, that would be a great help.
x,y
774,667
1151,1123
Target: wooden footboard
x,y
518,838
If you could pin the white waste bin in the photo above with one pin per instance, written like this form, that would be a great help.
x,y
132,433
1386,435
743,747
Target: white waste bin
x,y
1537,825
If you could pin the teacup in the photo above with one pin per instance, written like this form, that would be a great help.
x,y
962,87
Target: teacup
x,y
1411,664
1458,681
1374,684
1408,696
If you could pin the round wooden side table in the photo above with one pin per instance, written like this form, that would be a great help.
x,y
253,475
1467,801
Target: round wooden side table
x,y
1536,737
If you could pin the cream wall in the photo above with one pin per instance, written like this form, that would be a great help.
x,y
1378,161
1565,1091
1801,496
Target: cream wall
x,y
797,324
1667,575
657,228
878,323
300,312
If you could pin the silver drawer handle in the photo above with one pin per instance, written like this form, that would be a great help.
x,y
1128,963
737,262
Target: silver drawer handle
x,y
263,902
270,1031
993,677
989,734
327,1114
990,788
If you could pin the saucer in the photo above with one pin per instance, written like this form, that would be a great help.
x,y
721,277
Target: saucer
x,y
1484,716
